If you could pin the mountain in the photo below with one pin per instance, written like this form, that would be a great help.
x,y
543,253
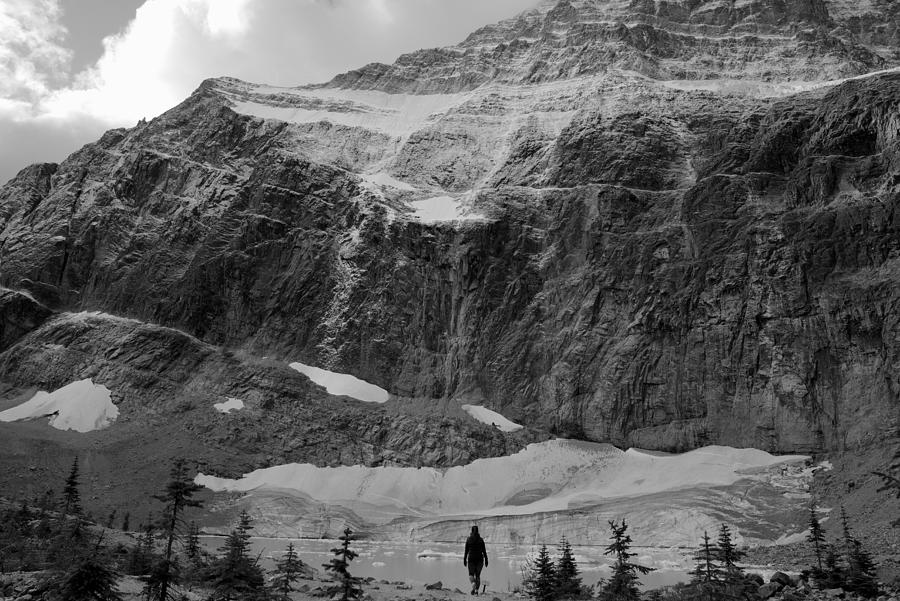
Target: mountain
x,y
661,224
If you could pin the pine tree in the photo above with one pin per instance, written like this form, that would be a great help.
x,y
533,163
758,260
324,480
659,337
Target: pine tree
x,y
568,582
623,584
816,535
71,497
89,580
245,525
846,534
234,574
111,519
192,542
861,572
728,554
126,522
141,558
287,571
177,497
707,579
833,575
345,584
540,581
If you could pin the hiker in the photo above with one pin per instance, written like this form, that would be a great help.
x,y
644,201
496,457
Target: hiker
x,y
475,558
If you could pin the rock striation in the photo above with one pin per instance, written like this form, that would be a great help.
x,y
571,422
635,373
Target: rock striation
x,y
671,224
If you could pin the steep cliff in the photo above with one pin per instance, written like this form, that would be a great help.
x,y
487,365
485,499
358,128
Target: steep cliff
x,y
660,224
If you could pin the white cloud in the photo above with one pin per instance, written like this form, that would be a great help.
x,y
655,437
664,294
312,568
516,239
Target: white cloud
x,y
226,17
155,62
32,58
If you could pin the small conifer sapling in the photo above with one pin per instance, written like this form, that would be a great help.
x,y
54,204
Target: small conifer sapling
x,y
287,571
71,496
540,581
816,536
568,581
89,579
346,585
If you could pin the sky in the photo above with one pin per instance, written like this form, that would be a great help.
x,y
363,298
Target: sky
x,y
71,69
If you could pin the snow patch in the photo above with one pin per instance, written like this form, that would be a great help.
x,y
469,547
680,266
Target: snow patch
x,y
343,384
229,405
81,406
487,416
385,180
790,539
763,89
441,208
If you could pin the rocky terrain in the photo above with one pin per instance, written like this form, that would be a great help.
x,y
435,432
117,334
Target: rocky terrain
x,y
655,224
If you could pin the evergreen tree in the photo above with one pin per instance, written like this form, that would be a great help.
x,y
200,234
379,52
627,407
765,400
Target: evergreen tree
x,y
623,584
345,584
568,582
859,575
833,575
728,554
234,574
540,581
70,543
708,579
71,497
287,571
177,497
816,535
706,568
192,542
846,534
89,580
141,558
111,519
861,572
126,522
245,525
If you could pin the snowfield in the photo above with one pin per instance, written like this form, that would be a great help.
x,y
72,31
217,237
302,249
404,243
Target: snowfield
x,y
343,384
549,476
80,406
492,418
396,115
441,208
229,405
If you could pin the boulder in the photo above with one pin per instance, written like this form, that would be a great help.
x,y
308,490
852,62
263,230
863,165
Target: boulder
x,y
781,578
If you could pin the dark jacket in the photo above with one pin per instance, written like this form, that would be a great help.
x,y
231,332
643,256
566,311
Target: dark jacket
x,y
475,551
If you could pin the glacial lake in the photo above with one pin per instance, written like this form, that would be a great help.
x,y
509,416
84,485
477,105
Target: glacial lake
x,y
428,562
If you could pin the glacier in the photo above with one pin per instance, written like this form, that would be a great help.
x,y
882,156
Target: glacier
x,y
552,480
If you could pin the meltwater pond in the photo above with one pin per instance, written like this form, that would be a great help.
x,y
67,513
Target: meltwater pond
x,y
426,562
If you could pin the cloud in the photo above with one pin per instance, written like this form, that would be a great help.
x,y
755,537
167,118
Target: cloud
x,y
32,58
172,45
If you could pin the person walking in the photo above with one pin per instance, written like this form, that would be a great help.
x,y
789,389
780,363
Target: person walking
x,y
475,557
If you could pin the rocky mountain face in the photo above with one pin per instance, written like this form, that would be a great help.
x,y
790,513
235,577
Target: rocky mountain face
x,y
659,224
